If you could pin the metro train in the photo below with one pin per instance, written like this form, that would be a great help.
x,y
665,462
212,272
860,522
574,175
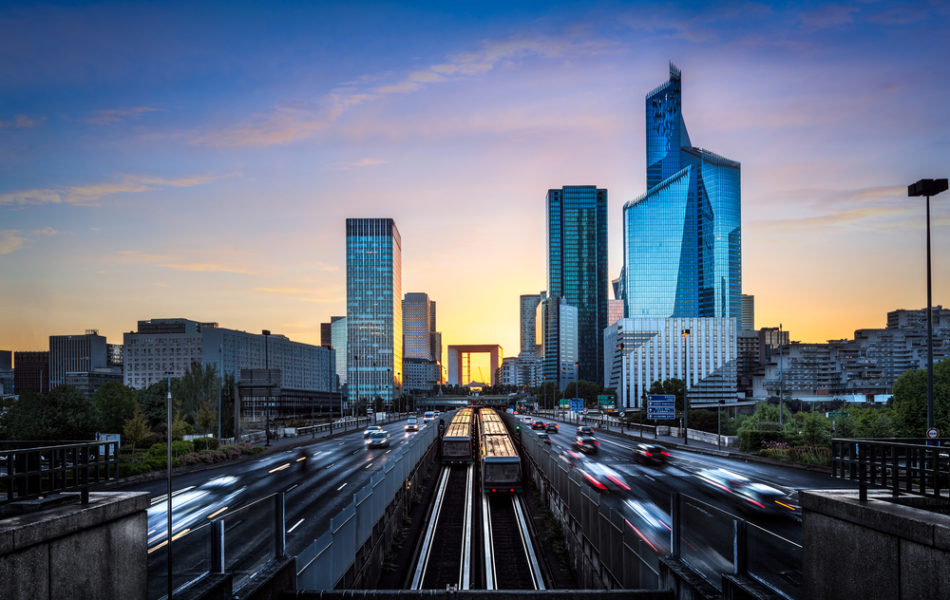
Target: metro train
x,y
457,439
500,464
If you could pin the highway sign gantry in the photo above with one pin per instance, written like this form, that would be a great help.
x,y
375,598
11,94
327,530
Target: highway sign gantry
x,y
661,406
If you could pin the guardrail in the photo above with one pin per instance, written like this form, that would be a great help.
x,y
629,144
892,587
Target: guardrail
x,y
705,539
902,465
239,543
28,473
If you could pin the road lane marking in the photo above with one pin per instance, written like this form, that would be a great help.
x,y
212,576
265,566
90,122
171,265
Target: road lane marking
x,y
165,496
292,487
217,512
329,465
297,524
341,487
317,452
368,465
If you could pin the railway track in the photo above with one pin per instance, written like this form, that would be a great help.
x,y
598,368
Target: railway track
x,y
510,561
445,558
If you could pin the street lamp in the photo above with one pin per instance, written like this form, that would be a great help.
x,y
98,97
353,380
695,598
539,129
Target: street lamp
x,y
168,483
928,188
266,334
686,392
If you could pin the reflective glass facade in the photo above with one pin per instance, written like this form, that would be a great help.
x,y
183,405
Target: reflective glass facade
x,y
682,239
373,309
577,266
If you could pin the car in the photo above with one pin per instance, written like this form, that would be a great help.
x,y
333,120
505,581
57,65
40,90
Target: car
x,y
427,416
369,430
585,430
551,428
537,424
545,438
412,424
650,454
598,476
586,444
378,439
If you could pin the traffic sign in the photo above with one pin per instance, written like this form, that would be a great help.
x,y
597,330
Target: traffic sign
x,y
933,433
661,406
837,415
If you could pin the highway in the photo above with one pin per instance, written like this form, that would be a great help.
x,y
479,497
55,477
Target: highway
x,y
642,494
318,489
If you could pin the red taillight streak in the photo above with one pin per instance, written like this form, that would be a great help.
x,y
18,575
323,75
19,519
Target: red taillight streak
x,y
759,504
664,453
493,489
648,454
596,483
596,442
642,537
619,482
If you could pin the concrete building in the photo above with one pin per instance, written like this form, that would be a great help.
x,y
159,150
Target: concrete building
x,y
88,382
860,368
172,345
6,372
560,341
76,353
31,371
528,307
373,310
338,343
614,311
420,375
460,371
659,352
747,322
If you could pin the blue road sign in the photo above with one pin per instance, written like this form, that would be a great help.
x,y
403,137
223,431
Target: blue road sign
x,y
661,406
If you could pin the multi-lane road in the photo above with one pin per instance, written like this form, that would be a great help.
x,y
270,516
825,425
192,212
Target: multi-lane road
x,y
317,489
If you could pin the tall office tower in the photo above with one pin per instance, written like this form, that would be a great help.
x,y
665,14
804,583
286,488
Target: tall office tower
x,y
338,343
373,310
76,353
577,266
326,335
560,345
682,239
614,311
418,323
529,335
747,322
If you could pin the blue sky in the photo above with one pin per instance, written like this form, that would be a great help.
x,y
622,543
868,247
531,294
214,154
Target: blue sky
x,y
167,159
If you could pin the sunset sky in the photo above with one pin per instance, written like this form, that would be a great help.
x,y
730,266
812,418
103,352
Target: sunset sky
x,y
199,160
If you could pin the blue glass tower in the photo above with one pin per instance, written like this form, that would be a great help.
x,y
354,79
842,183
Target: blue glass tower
x,y
577,267
373,310
682,239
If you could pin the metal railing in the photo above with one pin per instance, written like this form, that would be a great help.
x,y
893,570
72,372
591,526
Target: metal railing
x,y
28,473
903,465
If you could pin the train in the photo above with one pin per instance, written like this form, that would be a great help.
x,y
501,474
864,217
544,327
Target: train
x,y
500,464
457,439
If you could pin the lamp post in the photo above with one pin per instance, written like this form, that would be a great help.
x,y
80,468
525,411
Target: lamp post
x,y
781,377
928,188
266,334
168,482
686,392
221,364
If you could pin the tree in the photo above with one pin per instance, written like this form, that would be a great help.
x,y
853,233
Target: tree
x,y
135,428
199,385
207,417
583,389
815,429
115,403
876,423
63,414
153,402
766,412
910,400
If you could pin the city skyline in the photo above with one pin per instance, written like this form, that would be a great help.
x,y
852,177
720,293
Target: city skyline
x,y
158,174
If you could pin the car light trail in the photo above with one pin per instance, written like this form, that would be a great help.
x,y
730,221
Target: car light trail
x,y
341,487
280,468
296,525
217,512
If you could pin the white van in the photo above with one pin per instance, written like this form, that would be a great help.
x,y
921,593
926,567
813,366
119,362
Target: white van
x,y
428,416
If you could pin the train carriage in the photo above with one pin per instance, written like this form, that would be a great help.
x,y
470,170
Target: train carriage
x,y
457,439
500,463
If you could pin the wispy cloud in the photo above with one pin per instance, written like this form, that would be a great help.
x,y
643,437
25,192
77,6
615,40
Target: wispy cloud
x,y
114,115
45,231
287,123
861,208
205,267
302,294
21,122
11,241
828,16
175,262
90,195
363,162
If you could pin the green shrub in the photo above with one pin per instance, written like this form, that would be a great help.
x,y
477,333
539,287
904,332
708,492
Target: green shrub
x,y
753,440
201,444
811,455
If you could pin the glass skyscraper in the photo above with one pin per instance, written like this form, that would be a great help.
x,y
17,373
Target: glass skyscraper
x,y
577,267
682,239
373,309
